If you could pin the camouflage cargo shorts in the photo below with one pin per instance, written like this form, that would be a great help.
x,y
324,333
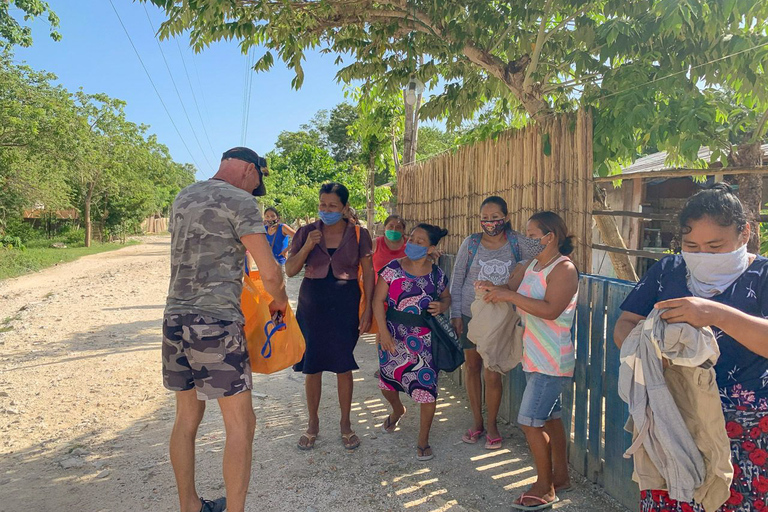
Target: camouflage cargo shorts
x,y
206,354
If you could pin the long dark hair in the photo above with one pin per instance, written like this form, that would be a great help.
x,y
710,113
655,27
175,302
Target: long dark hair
x,y
502,204
435,233
273,209
550,222
717,202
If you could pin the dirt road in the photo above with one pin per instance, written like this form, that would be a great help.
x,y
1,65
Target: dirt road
x,y
85,420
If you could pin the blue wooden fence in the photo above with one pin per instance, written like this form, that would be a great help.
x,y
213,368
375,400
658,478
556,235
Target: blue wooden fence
x,y
593,413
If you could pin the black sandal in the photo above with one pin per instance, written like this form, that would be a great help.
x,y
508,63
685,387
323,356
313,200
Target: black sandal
x,y
220,505
422,451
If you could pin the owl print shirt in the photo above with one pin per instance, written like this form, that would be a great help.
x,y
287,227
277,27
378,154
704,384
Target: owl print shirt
x,y
742,375
488,265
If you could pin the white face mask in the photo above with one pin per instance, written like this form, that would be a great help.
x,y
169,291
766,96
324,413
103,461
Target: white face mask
x,y
710,274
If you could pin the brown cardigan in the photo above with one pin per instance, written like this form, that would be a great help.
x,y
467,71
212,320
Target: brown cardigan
x,y
345,260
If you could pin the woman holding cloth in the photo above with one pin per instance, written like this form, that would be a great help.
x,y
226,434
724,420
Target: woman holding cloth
x,y
487,256
329,298
715,282
545,294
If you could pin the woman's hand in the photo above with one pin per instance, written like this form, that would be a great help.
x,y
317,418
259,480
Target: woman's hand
x,y
437,307
458,326
386,342
484,286
694,311
313,238
365,320
499,294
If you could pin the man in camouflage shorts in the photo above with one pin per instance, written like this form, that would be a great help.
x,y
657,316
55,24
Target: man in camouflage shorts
x,y
212,224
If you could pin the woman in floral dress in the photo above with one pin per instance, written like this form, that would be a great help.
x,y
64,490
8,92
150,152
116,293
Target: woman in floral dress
x,y
408,287
715,282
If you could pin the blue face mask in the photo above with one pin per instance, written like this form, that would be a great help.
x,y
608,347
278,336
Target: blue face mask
x,y
416,252
330,218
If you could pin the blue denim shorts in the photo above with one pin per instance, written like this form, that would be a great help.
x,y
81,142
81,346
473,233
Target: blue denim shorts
x,y
541,399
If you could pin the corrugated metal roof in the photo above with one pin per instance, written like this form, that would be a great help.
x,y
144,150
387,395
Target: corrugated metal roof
x,y
657,161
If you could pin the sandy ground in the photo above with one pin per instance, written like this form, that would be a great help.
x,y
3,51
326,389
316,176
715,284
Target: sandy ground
x,y
85,420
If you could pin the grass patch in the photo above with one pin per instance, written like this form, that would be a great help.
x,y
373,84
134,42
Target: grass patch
x,y
14,263
5,325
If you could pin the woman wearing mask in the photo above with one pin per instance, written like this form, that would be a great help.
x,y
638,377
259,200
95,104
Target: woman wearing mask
x,y
487,256
329,298
391,246
278,234
715,282
545,294
408,287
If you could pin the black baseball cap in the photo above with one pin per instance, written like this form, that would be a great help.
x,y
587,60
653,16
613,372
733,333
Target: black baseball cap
x,y
247,155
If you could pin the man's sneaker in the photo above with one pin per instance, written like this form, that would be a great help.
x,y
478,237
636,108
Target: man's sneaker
x,y
220,505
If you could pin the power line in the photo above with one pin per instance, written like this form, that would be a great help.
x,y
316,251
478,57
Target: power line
x,y
202,90
251,74
170,117
194,96
175,87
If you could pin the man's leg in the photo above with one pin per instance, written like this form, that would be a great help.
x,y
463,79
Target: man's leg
x,y
189,414
240,424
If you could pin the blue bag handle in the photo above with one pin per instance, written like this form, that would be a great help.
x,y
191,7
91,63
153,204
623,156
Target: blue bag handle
x,y
266,350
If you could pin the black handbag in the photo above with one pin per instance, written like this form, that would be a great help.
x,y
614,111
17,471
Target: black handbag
x,y
447,353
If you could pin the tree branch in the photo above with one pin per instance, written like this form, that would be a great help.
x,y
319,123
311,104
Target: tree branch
x,y
758,133
540,39
543,37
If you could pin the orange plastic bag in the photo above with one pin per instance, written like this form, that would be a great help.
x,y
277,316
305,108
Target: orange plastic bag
x,y
374,329
269,348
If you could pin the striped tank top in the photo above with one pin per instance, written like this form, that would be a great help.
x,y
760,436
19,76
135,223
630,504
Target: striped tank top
x,y
547,344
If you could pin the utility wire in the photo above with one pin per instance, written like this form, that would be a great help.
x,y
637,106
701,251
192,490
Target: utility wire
x,y
170,73
170,117
251,74
194,96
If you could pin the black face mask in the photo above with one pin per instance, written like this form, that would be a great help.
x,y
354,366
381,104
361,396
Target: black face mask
x,y
261,190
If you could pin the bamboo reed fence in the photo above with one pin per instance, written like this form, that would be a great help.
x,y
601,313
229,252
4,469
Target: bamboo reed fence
x,y
448,190
155,225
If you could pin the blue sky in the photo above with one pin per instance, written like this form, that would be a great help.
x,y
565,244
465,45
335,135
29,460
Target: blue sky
x,y
95,54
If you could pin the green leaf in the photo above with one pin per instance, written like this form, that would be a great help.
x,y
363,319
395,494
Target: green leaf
x,y
546,144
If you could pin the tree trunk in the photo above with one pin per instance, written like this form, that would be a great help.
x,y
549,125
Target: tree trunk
x,y
408,132
371,190
395,156
611,235
750,188
87,214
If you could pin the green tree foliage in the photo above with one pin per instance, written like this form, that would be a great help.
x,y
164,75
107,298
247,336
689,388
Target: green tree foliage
x,y
60,150
295,178
641,65
14,33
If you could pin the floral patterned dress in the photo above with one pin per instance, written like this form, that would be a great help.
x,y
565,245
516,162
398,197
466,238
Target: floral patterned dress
x,y
411,369
742,378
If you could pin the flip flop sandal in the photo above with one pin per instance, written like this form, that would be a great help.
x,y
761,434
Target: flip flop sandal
x,y
388,427
347,440
472,436
422,451
518,504
492,444
310,444
564,489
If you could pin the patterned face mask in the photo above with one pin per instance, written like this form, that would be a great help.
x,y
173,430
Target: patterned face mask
x,y
493,227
